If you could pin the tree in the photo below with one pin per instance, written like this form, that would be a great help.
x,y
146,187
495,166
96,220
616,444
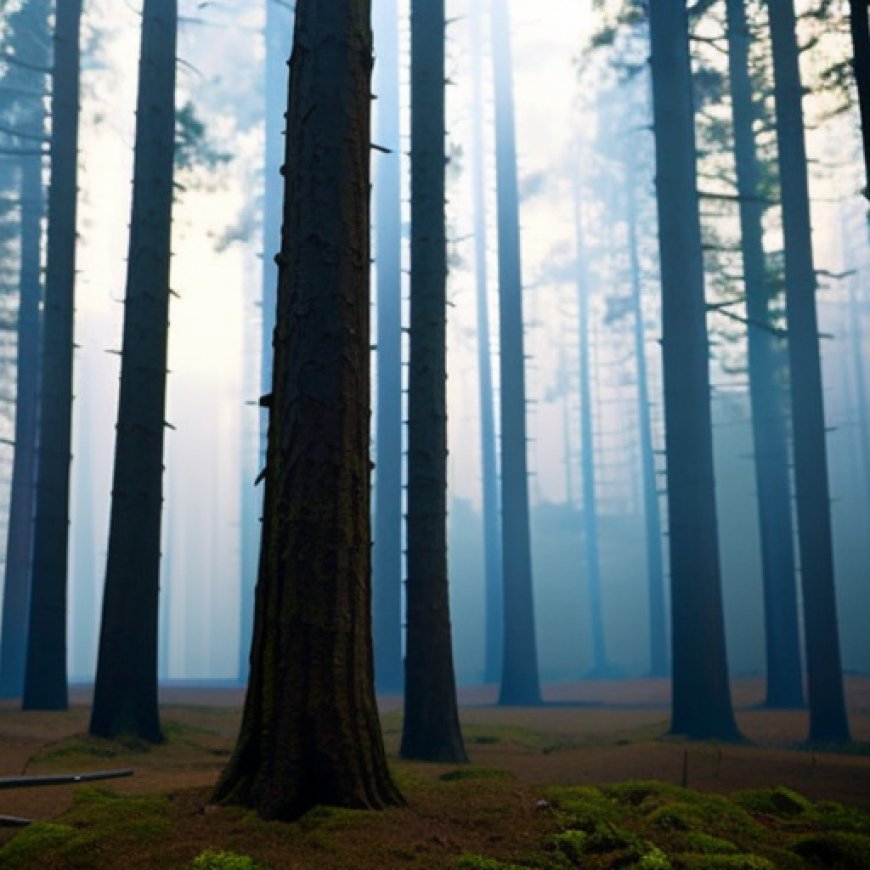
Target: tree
x,y
769,429
310,732
125,692
32,41
701,701
387,555
45,685
828,720
430,729
519,679
860,29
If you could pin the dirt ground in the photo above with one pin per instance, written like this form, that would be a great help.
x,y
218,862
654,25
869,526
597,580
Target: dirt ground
x,y
589,733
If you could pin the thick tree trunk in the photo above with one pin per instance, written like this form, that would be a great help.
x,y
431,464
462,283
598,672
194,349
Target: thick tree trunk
x,y
701,704
658,635
769,427
860,28
125,694
431,725
492,561
45,683
310,732
828,720
519,679
387,554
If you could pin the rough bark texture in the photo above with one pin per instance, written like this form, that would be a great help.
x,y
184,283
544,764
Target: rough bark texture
x,y
519,679
310,732
387,554
431,724
860,28
701,705
492,561
45,684
125,693
824,670
769,406
32,43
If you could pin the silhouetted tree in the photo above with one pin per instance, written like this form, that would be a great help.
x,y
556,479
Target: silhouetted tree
x,y
310,732
125,693
769,428
860,29
824,670
519,678
430,729
387,553
701,702
31,40
45,683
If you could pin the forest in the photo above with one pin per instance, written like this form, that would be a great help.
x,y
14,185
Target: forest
x,y
435,433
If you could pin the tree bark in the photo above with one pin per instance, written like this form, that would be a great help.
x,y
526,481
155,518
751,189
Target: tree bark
x,y
828,720
45,682
431,725
519,680
701,703
310,732
860,28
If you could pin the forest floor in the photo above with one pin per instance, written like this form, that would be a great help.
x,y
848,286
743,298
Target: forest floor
x,y
590,780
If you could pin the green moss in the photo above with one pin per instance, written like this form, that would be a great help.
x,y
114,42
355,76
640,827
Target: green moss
x,y
778,802
835,817
722,862
325,818
845,851
706,844
583,807
480,862
572,844
646,793
476,773
212,859
29,848
654,859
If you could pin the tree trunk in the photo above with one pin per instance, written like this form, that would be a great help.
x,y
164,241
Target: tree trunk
x,y
45,683
658,634
860,28
125,693
492,561
769,427
431,725
387,554
310,732
828,720
701,704
519,680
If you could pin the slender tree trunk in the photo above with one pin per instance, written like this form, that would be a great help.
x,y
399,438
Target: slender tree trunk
x,y
769,429
828,720
492,562
658,635
125,694
431,724
387,555
519,680
45,683
860,28
310,732
701,704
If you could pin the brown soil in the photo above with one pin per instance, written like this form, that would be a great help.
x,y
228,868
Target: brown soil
x,y
591,733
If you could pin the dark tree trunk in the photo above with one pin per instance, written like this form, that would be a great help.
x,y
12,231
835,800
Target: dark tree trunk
x,y
34,45
600,667
125,693
860,28
701,704
45,683
431,725
387,554
658,634
769,428
310,732
492,561
828,720
519,679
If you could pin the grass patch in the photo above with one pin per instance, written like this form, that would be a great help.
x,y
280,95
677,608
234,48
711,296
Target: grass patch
x,y
213,859
475,773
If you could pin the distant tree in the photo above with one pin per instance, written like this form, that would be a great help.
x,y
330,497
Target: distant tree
x,y
701,701
430,728
519,679
125,693
31,41
828,720
45,683
769,425
310,732
860,29
387,554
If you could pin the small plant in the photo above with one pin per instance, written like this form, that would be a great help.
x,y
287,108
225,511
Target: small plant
x,y
212,859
